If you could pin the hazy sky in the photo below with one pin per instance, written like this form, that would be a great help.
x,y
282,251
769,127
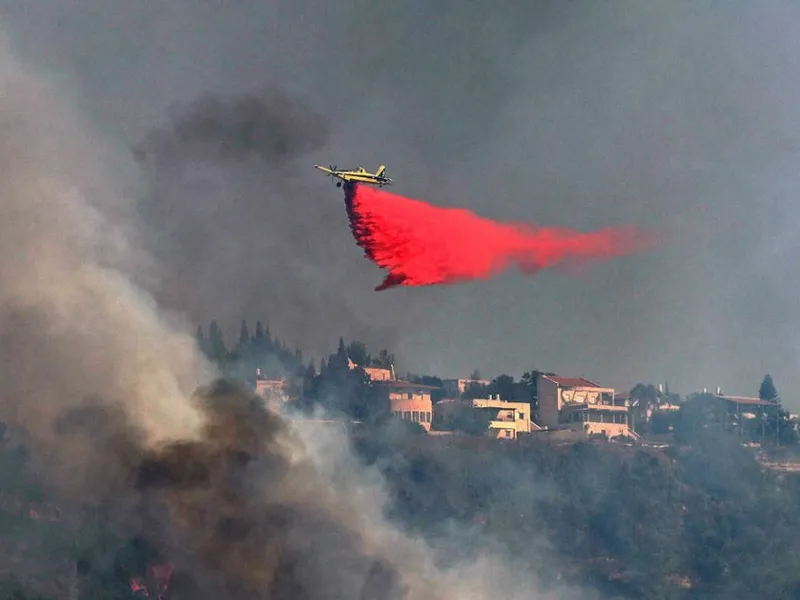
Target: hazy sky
x,y
673,114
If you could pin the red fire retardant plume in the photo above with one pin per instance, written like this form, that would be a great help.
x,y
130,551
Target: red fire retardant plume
x,y
420,244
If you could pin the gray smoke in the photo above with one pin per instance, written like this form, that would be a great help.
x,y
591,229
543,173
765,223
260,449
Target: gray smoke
x,y
229,214
74,327
266,125
664,114
244,504
258,509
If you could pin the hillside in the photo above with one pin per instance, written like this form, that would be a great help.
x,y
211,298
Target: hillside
x,y
699,521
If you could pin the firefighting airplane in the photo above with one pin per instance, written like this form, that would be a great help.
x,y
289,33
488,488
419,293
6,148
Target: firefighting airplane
x,y
360,175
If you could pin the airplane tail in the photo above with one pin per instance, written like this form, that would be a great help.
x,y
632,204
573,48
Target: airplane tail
x,y
381,170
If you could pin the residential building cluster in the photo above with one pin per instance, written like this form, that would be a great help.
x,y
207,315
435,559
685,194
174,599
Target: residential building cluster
x,y
565,404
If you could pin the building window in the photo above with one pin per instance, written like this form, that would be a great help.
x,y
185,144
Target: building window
x,y
406,415
416,416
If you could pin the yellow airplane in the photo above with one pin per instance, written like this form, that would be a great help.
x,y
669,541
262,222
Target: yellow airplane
x,y
360,175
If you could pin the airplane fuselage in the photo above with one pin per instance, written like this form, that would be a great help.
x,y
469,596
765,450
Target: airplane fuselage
x,y
360,175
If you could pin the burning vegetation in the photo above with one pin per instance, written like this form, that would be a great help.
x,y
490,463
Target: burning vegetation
x,y
121,478
238,513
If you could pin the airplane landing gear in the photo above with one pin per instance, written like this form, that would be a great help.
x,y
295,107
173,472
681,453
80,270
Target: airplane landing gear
x,y
338,184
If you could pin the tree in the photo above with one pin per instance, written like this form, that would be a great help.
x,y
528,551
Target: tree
x,y
436,394
767,390
530,381
202,342
357,352
645,394
475,390
216,344
700,414
384,359
244,336
778,428
505,386
462,417
663,421
258,337
339,360
644,399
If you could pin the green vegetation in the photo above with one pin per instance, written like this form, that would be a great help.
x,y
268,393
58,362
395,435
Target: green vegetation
x,y
696,521
632,521
699,519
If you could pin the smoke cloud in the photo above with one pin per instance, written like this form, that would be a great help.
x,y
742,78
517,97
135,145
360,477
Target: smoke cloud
x,y
230,209
265,124
226,499
661,114
74,326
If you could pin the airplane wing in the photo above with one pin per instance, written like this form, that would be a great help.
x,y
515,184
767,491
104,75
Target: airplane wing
x,y
323,169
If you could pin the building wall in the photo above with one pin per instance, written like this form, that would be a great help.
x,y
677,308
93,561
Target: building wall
x,y
549,406
406,401
510,418
611,430
273,391
581,395
377,374
556,404
374,373
417,408
456,387
610,420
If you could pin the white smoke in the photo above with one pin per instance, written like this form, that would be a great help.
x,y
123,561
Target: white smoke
x,y
74,326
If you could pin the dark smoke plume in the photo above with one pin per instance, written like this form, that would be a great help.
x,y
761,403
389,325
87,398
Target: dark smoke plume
x,y
246,510
249,517
420,244
266,124
232,207
74,327
213,493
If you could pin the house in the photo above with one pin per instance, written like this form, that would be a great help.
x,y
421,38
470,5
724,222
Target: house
x,y
374,373
745,406
379,374
579,404
501,419
509,419
407,401
273,391
456,387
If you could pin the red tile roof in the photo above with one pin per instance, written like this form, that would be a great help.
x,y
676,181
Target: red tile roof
x,y
571,381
